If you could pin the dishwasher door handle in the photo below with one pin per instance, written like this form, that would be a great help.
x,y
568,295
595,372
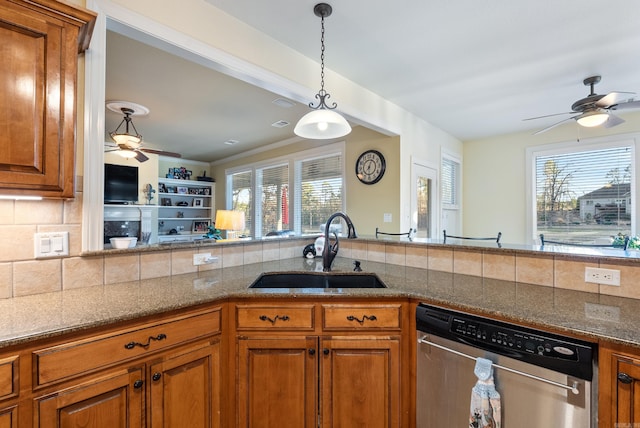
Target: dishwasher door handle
x,y
573,388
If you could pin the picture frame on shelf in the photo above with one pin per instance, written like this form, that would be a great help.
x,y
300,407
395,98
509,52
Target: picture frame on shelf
x,y
198,202
182,190
166,202
162,188
206,191
201,226
171,189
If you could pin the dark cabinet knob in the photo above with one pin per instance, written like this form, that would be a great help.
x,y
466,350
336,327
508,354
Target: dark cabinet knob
x,y
138,384
624,378
312,351
325,351
156,376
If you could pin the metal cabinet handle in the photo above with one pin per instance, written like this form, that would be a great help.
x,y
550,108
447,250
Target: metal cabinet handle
x,y
364,318
625,378
138,384
156,376
276,318
312,351
132,345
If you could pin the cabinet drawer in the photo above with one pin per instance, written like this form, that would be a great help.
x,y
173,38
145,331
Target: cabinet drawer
x,y
72,358
361,317
9,377
270,317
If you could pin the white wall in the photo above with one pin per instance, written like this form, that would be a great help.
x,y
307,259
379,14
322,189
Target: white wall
x,y
494,197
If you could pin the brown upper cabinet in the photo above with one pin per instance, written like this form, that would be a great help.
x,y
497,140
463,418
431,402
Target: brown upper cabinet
x,y
40,41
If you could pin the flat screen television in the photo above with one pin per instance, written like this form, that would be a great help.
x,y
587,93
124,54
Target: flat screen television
x,y
120,184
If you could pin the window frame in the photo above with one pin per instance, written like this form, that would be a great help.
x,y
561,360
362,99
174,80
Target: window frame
x,y
591,144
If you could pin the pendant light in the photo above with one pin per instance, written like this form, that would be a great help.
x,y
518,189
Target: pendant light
x,y
322,123
127,137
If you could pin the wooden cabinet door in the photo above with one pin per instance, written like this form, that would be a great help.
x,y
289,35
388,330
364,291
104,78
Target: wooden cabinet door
x,y
112,401
185,389
360,382
277,382
9,417
628,393
37,96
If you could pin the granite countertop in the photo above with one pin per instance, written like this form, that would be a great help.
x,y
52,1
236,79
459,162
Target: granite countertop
x,y
28,318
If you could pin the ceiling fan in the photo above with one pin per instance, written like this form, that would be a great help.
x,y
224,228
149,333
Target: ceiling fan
x,y
128,143
594,109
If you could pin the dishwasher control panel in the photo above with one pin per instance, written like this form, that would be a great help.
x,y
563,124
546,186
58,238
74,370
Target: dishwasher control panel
x,y
564,354
507,338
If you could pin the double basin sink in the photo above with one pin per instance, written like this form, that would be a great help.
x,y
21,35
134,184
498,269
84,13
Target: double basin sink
x,y
318,280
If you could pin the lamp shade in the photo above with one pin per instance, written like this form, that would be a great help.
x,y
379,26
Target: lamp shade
x,y
229,220
592,118
322,124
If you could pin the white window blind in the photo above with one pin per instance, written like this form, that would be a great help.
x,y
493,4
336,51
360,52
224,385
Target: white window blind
x,y
242,197
273,185
450,178
320,185
584,196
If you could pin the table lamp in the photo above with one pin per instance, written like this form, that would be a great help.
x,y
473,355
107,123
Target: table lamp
x,y
231,221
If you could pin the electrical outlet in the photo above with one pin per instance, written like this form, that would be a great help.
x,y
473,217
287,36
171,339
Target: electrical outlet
x,y
602,276
602,312
203,259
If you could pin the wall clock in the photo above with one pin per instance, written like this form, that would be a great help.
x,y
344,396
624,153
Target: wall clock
x,y
370,167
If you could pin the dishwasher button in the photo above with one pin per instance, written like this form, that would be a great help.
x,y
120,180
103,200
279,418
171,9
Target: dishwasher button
x,y
562,350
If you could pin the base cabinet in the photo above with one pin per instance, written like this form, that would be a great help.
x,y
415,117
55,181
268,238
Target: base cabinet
x,y
115,400
619,395
344,371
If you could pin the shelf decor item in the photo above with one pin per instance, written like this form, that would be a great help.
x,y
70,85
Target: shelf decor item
x,y
201,226
182,190
198,202
166,202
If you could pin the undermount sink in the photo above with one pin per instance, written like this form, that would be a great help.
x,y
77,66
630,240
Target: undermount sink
x,y
318,280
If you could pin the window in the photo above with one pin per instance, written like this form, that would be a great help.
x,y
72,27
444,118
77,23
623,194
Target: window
x,y
239,186
273,186
450,172
583,193
320,183
294,194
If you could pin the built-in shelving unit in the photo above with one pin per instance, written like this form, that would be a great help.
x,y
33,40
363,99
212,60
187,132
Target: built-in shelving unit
x,y
185,209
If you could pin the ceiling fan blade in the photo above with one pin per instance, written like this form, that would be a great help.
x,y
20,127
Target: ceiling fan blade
x,y
555,124
140,157
612,121
549,115
162,153
624,106
613,98
108,149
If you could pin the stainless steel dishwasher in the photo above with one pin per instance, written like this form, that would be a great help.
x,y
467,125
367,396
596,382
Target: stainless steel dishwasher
x,y
544,380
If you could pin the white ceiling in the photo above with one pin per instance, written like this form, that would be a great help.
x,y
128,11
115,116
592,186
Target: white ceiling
x,y
474,68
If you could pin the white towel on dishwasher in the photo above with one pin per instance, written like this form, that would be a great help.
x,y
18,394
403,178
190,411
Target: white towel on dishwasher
x,y
485,409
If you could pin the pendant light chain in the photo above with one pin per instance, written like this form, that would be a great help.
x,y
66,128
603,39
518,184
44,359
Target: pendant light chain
x,y
322,95
322,56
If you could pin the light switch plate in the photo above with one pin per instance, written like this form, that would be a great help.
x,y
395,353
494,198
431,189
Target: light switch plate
x,y
51,244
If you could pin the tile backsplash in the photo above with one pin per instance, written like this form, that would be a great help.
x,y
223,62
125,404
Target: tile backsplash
x,y
21,274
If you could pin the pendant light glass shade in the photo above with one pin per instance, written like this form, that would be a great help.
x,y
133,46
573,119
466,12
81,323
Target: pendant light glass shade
x,y
322,124
592,118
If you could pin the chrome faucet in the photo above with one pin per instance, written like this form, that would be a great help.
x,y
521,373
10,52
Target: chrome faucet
x,y
330,251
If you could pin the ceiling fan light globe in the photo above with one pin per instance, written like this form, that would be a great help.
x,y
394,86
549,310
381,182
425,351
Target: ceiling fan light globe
x,y
322,124
592,119
127,154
